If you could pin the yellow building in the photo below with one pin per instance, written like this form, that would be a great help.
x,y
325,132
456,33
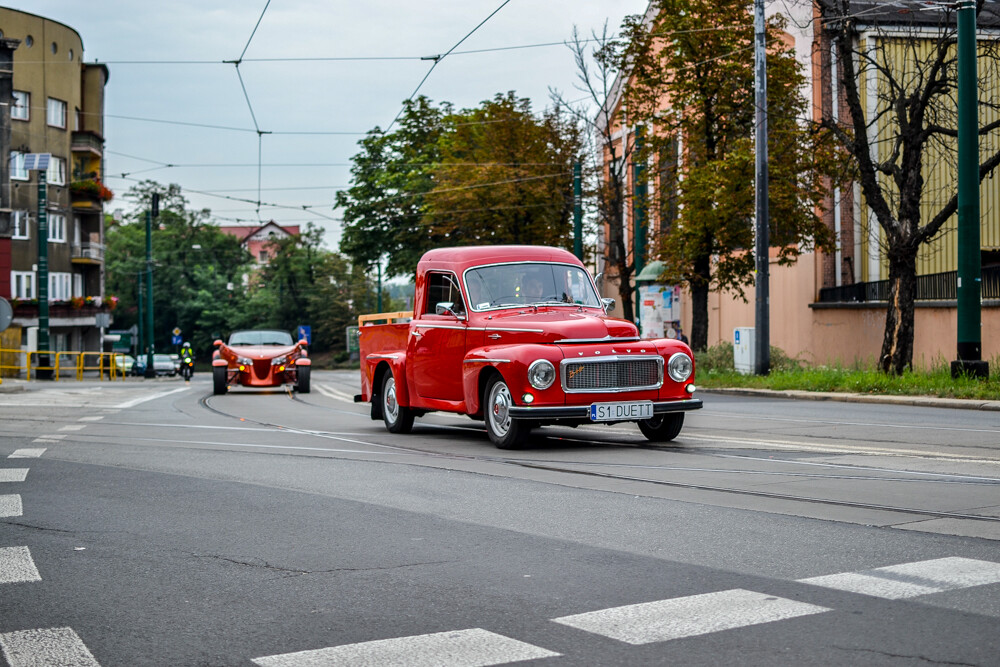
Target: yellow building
x,y
57,107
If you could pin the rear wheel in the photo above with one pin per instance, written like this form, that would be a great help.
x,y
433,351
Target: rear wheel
x,y
397,418
219,379
662,428
302,382
505,431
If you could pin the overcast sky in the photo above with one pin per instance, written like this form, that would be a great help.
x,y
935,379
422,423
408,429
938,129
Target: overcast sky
x,y
321,97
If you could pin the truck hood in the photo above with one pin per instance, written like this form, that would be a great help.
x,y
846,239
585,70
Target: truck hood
x,y
551,325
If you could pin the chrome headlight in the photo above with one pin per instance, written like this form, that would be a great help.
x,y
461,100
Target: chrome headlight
x,y
278,361
680,367
541,374
243,363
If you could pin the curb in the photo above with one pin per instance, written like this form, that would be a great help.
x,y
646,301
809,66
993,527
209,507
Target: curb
x,y
920,401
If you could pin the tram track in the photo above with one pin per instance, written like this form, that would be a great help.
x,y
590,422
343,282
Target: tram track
x,y
573,468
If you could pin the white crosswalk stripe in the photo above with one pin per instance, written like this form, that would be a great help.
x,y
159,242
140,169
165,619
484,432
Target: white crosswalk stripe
x,y
691,616
30,453
73,427
333,393
461,648
91,418
46,648
17,566
10,505
13,474
908,580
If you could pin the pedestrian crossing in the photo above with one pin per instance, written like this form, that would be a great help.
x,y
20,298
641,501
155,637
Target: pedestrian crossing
x,y
651,622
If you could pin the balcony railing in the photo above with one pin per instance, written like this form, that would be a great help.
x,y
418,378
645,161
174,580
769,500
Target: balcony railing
x,y
89,251
87,142
931,287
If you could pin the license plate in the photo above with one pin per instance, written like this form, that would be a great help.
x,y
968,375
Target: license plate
x,y
613,412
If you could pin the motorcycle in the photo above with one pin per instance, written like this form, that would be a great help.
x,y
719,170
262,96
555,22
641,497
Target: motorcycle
x,y
187,368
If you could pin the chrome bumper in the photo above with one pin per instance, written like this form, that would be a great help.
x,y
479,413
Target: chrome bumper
x,y
583,411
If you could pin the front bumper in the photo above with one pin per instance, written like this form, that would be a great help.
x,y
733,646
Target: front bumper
x,y
583,411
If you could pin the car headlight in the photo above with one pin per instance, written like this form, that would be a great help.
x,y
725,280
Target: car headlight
x,y
278,361
541,374
244,363
680,367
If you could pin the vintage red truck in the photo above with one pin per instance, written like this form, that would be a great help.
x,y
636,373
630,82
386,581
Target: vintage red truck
x,y
519,337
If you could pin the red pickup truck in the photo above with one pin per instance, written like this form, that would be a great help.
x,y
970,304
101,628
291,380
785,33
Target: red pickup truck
x,y
519,337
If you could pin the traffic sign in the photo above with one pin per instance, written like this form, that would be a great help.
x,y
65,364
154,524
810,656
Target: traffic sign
x,y
175,340
176,331
305,331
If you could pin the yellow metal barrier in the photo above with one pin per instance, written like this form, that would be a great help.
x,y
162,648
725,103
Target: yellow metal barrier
x,y
104,365
388,317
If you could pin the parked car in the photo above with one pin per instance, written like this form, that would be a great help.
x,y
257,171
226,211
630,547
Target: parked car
x,y
164,365
123,364
261,358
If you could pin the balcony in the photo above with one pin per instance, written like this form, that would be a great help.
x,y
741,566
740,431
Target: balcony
x,y
88,253
931,287
87,142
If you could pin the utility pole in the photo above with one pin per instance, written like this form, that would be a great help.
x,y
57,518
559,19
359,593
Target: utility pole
x,y
39,163
578,210
154,211
762,326
638,215
969,259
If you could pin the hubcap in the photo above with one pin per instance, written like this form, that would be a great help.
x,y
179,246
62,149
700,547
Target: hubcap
x,y
389,406
500,409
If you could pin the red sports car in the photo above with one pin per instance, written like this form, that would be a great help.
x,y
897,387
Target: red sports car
x,y
261,358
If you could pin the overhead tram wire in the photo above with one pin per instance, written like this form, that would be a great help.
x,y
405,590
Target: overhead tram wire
x,y
438,58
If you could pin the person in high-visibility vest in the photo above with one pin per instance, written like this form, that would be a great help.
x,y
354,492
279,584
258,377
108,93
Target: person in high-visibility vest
x,y
187,361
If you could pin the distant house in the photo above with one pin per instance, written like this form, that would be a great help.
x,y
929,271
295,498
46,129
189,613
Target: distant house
x,y
259,240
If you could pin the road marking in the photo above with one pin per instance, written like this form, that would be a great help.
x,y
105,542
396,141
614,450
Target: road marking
x,y
50,438
136,401
16,566
91,418
690,616
10,505
335,394
51,646
462,648
908,580
13,474
27,453
73,427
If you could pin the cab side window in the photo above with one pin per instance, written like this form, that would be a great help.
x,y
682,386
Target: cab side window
x,y
443,288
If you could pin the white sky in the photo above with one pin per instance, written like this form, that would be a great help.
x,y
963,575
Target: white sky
x,y
332,96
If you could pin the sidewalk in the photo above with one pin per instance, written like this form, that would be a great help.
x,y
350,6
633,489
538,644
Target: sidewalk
x,y
843,397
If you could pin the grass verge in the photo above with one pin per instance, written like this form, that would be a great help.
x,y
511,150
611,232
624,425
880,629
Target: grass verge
x,y
715,370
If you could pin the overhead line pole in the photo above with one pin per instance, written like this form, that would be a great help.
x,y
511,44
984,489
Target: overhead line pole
x,y
762,333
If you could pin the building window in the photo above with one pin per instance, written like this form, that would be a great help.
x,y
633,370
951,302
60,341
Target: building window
x,y
56,174
262,257
17,169
57,227
22,106
22,284
57,113
19,222
60,285
78,285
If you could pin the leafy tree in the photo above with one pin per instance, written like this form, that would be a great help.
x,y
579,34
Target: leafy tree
x,y
383,210
691,89
494,174
911,124
504,176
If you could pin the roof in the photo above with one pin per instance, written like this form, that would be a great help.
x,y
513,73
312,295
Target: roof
x,y
918,13
244,232
462,257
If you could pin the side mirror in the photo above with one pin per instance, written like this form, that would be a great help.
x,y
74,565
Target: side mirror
x,y
446,308
608,302
303,342
217,342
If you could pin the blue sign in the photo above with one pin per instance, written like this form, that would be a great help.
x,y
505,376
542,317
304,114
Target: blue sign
x,y
175,340
737,332
305,331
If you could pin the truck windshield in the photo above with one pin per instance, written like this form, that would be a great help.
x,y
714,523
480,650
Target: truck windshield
x,y
529,283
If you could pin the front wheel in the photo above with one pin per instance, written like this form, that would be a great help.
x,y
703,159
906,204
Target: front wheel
x,y
505,431
397,418
219,384
662,428
302,381
186,373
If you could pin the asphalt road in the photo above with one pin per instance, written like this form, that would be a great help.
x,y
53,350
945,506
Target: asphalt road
x,y
151,523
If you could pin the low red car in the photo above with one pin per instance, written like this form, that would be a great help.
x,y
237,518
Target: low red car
x,y
261,358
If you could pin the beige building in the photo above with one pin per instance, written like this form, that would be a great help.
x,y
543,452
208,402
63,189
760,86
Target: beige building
x,y
56,107
830,308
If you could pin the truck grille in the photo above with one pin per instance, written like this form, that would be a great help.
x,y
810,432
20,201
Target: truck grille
x,y
613,374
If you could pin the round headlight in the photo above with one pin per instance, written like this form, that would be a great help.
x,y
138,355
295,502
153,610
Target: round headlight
x,y
541,374
679,367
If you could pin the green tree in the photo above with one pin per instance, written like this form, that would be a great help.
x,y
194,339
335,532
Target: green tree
x,y
691,89
505,176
